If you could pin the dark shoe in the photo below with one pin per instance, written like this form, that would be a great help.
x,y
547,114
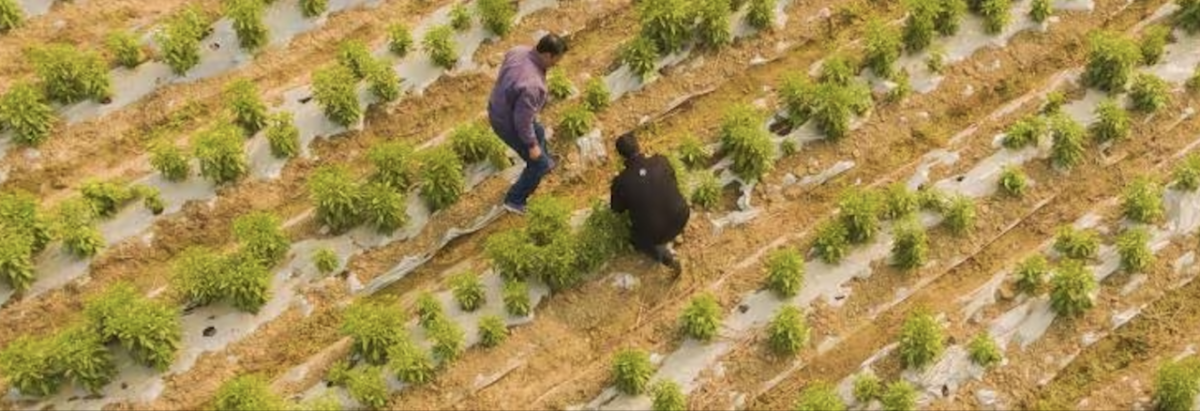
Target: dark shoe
x,y
667,258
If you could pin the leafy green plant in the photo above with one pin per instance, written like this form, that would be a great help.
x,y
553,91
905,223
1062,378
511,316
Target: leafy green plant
x,y
667,396
71,75
219,150
819,396
701,318
383,80
899,202
334,89
692,152
631,370
16,262
395,165
439,43
1149,93
595,95
558,85
1111,58
202,277
76,227
384,208
492,331
354,55
1066,149
1142,201
249,112
919,26
867,387
1112,122
374,327
1077,244
983,350
761,14
995,14
326,261
516,298
338,197
149,330
713,28
744,138
604,235
247,16
1176,384
105,197
911,247
936,62
1024,132
960,215
1154,41
442,177
576,122
900,396
665,22
180,39
27,364
411,364
836,70
468,291
902,89
79,354
169,160
1040,11
282,135
859,213
785,272
400,40
20,217
707,191
921,340
313,8
11,15
787,332
639,54
1013,181
151,198
261,235
513,254
832,242
949,17
25,111
497,16
367,386
833,105
429,311
448,340
247,393
1133,247
1031,274
1071,289
796,93
882,49
1187,173
460,17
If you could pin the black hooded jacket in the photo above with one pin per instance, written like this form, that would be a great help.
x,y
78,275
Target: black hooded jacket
x,y
647,189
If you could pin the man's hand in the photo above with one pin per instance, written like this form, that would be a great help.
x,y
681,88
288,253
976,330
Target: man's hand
x,y
535,152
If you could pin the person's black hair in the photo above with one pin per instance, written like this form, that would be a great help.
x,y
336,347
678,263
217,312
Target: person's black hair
x,y
627,145
552,44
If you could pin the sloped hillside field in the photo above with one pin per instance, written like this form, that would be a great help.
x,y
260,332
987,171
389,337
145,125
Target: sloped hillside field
x,y
895,205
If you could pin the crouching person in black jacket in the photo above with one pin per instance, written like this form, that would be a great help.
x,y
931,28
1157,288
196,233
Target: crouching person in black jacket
x,y
647,189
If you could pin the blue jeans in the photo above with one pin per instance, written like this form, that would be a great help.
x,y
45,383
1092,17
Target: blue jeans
x,y
531,177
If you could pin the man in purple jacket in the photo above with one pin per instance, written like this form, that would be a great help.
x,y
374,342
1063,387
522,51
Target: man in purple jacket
x,y
518,96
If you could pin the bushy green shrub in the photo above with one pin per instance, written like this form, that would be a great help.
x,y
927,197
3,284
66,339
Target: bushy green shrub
x,y
16,261
492,331
460,17
1176,384
932,199
71,75
125,48
203,277
692,152
1187,173
667,396
151,198
429,311
899,202
859,213
665,22
1149,93
1187,17
19,215
707,191
282,135
819,396
411,364
180,39
983,350
796,93
1013,181
106,197
833,106
1142,201
498,16
911,247
1066,149
1077,244
27,364
516,298
548,220
383,80
712,27
367,386
1031,274
25,111
960,215
882,48
394,164
400,40
449,341
595,95
995,14
936,62
169,160
866,387
468,291
249,112
921,340
337,196
384,208
1071,289
1024,132
919,26
949,16
702,318
1111,58
442,179
558,85
79,354
334,90
374,327
313,8
640,55
219,150
247,393
785,272
354,55
576,122
787,332
439,44
1154,41
749,144
631,371
1040,11
902,89
900,396
1134,249
76,227
513,254
1112,122
247,16
149,330
11,15
261,235
837,69
832,242
761,14
326,261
